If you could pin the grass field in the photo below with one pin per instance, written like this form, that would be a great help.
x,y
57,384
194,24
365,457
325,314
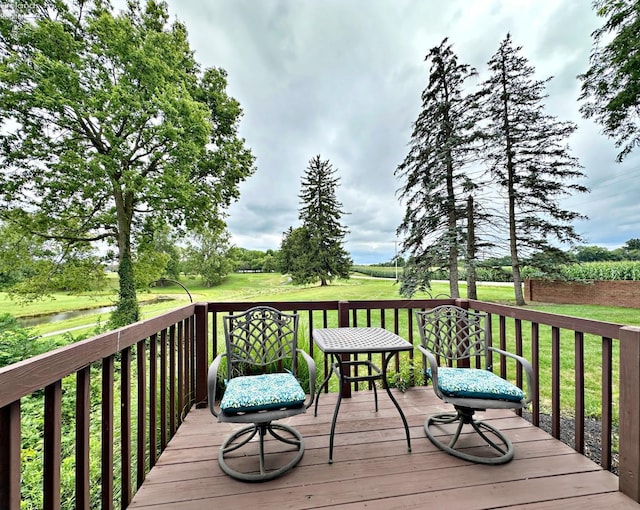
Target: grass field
x,y
259,287
271,286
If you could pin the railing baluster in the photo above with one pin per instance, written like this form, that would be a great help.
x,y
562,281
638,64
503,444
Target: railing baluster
x,y
579,391
106,471
52,445
181,372
189,352
535,363
214,334
490,339
503,346
10,457
125,427
163,389
141,358
83,406
201,363
172,380
607,402
555,382
153,400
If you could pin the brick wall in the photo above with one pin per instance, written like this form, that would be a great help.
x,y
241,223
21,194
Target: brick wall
x,y
602,292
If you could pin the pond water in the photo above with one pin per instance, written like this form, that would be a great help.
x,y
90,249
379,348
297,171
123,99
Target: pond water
x,y
30,322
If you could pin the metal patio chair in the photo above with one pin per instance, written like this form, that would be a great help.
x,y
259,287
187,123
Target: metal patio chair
x,y
261,386
454,341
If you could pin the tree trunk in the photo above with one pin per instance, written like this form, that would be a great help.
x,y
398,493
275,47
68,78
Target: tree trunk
x,y
452,218
127,310
472,292
511,171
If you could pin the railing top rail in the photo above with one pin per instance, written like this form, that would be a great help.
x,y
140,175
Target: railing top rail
x,y
373,304
589,326
25,377
235,306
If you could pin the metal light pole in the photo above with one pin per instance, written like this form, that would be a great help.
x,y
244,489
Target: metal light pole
x,y
162,280
395,243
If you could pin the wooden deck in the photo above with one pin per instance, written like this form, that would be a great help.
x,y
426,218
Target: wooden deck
x,y
373,469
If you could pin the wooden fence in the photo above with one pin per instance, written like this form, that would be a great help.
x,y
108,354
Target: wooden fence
x,y
162,365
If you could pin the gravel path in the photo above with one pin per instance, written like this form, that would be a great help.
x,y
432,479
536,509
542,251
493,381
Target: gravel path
x,y
592,432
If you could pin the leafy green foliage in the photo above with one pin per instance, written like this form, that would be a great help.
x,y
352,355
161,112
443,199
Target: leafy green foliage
x,y
295,256
253,260
106,120
207,256
611,85
127,310
18,343
158,239
405,377
31,268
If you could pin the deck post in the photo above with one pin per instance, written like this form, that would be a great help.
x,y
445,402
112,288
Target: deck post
x,y
343,322
202,356
629,467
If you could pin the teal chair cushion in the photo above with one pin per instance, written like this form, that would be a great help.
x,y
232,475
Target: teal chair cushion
x,y
262,392
476,383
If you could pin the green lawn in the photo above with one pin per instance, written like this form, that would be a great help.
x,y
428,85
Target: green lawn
x,y
263,286
259,287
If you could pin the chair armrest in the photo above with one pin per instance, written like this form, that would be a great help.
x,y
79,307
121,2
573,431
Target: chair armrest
x,y
528,369
311,364
433,365
212,382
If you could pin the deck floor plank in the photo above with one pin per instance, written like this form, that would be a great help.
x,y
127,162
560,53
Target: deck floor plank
x,y
373,468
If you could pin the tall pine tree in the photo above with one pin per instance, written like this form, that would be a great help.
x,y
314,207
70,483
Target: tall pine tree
x,y
529,158
434,177
317,247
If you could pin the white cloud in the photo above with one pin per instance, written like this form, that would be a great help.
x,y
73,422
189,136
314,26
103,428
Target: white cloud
x,y
343,78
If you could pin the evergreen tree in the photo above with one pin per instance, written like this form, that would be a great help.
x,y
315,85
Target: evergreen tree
x,y
434,176
529,158
315,251
295,256
611,85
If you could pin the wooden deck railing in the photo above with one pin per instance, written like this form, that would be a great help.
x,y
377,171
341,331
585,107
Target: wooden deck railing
x,y
162,366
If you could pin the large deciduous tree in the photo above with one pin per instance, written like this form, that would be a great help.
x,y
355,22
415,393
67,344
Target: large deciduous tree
x,y
315,250
529,158
107,119
207,255
434,175
611,85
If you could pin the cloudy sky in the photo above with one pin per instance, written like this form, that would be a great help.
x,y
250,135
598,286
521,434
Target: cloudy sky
x,y
343,78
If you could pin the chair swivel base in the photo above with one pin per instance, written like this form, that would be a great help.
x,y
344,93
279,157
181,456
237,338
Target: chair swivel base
x,y
502,448
250,432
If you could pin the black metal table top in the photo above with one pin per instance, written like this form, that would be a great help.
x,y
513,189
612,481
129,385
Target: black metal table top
x,y
359,340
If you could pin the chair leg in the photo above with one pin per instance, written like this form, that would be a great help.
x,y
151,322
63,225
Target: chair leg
x,y
503,448
250,432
